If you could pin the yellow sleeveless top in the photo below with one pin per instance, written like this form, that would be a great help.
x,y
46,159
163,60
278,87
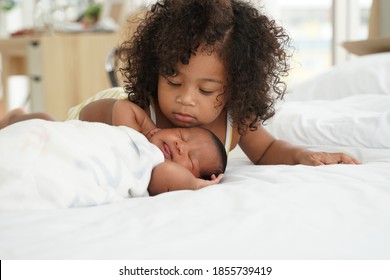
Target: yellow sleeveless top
x,y
116,93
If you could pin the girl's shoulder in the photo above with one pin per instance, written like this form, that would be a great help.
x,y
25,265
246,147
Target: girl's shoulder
x,y
115,93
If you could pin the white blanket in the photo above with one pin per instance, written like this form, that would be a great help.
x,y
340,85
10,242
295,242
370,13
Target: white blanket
x,y
72,164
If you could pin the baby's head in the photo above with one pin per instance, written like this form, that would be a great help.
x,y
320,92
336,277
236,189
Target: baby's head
x,y
197,149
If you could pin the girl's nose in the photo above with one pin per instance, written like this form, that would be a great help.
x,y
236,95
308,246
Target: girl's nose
x,y
186,97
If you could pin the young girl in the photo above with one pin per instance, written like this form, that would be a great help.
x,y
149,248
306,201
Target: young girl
x,y
211,63
215,64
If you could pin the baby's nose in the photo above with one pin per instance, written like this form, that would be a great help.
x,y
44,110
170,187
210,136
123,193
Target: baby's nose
x,y
180,147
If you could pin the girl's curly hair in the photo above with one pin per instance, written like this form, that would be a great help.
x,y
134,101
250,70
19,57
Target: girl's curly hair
x,y
250,45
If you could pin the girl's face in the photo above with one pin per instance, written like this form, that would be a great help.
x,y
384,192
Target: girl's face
x,y
192,148
189,98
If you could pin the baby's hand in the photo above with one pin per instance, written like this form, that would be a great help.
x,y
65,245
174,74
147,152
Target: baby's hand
x,y
201,183
323,158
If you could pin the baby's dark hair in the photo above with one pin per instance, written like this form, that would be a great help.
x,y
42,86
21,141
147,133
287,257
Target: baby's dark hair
x,y
222,161
251,47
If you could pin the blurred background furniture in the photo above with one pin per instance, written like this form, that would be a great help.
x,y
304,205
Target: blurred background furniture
x,y
111,66
64,69
378,32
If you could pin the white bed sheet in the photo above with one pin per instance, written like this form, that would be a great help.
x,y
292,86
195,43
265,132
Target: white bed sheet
x,y
257,212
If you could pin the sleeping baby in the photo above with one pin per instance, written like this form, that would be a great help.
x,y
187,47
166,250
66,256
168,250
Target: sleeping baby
x,y
47,164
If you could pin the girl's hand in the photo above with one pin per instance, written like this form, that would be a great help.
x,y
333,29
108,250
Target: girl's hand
x,y
201,183
323,158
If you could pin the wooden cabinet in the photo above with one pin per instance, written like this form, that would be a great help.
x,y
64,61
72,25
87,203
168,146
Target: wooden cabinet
x,y
63,69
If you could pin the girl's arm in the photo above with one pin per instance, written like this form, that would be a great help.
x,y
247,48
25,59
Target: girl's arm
x,y
129,114
118,112
262,148
171,176
98,111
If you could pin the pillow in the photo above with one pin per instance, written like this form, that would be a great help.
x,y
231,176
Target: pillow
x,y
368,74
358,121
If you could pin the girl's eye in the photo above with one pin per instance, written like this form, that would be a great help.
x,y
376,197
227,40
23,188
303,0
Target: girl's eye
x,y
172,83
206,92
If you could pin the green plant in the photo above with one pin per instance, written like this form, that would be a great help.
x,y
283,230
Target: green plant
x,y
7,5
93,12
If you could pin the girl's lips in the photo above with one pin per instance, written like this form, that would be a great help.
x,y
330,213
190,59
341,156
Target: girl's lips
x,y
183,117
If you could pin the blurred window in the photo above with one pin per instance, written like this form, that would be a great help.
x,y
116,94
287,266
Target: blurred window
x,y
317,28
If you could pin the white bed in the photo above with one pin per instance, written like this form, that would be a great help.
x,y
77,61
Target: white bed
x,y
257,212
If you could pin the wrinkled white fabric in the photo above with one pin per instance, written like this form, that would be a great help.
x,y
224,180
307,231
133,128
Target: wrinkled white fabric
x,y
356,121
72,164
